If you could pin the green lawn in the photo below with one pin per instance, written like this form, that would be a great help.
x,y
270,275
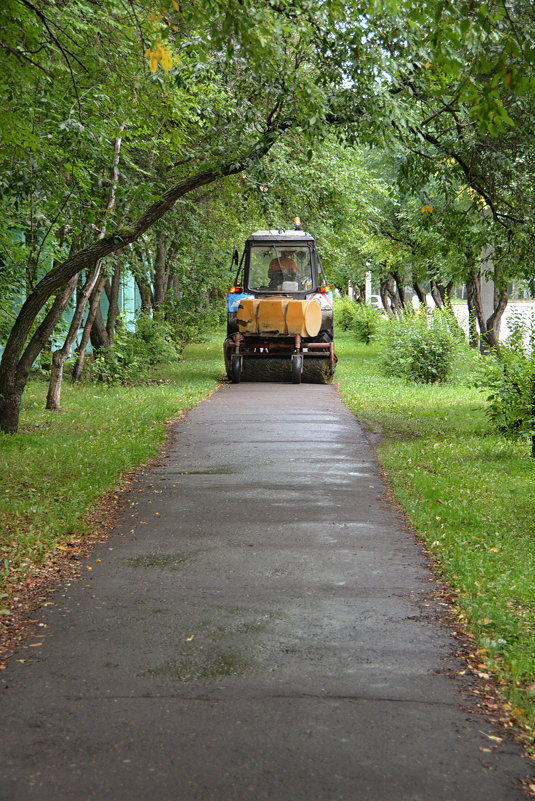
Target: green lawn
x,y
470,495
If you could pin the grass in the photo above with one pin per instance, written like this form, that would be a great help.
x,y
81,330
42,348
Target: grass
x,y
469,494
61,463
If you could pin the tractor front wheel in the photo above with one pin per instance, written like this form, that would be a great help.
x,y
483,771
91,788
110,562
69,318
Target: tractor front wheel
x,y
235,368
297,368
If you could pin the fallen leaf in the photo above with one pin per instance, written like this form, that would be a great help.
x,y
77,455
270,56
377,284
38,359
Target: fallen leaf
x,y
189,639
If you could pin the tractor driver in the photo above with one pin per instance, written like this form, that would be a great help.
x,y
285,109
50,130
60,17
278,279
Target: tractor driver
x,y
282,268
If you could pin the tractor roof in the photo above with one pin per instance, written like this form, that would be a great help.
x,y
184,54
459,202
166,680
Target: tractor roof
x,y
281,236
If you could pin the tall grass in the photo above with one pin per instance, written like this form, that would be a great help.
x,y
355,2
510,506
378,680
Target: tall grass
x,y
469,493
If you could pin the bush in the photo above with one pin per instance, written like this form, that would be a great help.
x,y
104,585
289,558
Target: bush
x,y
367,323
190,323
510,380
134,352
363,321
345,311
418,348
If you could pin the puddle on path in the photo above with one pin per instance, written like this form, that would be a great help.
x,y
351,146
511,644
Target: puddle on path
x,y
213,471
199,666
223,644
164,561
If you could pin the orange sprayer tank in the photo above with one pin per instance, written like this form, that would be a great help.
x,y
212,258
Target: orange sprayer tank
x,y
279,317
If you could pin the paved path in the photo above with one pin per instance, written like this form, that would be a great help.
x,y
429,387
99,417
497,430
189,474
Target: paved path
x,y
260,626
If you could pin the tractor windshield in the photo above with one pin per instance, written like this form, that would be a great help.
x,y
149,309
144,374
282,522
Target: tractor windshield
x,y
280,267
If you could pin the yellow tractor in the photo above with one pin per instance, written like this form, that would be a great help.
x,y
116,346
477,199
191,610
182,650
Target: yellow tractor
x,y
280,311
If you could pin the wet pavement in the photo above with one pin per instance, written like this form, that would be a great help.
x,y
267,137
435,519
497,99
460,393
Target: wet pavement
x,y
261,625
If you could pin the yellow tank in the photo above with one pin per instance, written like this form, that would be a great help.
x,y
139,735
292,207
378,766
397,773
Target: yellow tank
x,y
279,317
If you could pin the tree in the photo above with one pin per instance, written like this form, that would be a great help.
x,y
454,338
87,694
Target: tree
x,y
468,110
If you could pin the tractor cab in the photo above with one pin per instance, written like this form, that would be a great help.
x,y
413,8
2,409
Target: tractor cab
x,y
283,265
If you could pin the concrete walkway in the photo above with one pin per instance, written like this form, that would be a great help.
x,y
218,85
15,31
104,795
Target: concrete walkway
x,y
260,626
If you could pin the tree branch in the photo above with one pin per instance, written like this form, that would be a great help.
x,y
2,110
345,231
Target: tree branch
x,y
23,57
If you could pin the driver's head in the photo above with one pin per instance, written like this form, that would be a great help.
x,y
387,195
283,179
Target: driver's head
x,y
283,264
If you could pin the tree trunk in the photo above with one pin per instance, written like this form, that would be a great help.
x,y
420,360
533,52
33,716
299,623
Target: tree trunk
x,y
93,307
143,282
146,295
174,286
436,294
10,410
53,398
15,371
98,333
360,293
491,335
489,328
400,288
422,297
389,295
113,298
473,334
475,306
59,357
161,272
385,298
478,306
